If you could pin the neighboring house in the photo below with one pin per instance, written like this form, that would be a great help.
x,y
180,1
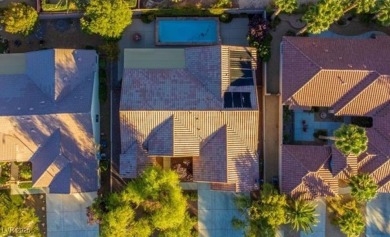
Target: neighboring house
x,y
49,116
198,104
348,80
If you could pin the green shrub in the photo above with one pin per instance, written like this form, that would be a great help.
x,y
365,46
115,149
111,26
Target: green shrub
x,y
132,3
58,7
3,180
148,18
27,185
104,165
25,172
223,4
225,18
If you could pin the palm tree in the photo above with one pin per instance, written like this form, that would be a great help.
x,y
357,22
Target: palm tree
x,y
301,215
349,139
363,187
383,12
287,6
361,6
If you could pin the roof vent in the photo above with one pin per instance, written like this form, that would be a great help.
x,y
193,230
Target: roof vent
x,y
19,108
340,58
65,78
42,102
326,50
350,65
79,59
31,108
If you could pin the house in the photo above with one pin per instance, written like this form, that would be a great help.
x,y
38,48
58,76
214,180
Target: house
x,y
347,80
197,105
49,116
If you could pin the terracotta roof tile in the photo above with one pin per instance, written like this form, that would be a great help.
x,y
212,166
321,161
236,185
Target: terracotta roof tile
x,y
221,141
372,98
354,79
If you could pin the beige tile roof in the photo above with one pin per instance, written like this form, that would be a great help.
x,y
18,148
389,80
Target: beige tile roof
x,y
352,78
180,112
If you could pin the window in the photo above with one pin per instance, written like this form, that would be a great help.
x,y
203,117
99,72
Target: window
x,y
237,100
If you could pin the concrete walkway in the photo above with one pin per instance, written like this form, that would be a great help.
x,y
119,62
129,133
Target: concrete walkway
x,y
378,217
215,212
67,215
271,139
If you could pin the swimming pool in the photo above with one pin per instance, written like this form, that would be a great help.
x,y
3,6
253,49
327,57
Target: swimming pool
x,y
187,31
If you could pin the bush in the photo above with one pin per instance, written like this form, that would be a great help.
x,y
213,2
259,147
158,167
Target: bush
x,y
259,37
3,180
148,18
55,7
225,18
25,172
110,50
27,185
132,3
223,4
104,165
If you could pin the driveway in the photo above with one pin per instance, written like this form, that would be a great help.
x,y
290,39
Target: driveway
x,y
215,212
66,215
378,216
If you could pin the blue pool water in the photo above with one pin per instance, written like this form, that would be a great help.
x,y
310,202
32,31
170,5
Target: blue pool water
x,y
187,31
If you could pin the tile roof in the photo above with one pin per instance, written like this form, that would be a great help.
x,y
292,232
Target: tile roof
x,y
48,110
180,112
352,79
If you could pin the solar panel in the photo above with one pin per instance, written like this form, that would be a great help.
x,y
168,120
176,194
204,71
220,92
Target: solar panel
x,y
246,99
228,101
237,100
237,103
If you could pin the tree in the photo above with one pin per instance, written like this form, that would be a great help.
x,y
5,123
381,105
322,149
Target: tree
x,y
107,18
152,203
14,214
320,16
361,6
351,139
383,12
19,19
264,216
287,6
347,215
301,215
363,187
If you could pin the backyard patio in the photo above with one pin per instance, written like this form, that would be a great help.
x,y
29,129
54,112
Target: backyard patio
x,y
305,126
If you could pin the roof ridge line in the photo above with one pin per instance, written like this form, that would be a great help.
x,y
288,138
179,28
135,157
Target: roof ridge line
x,y
195,78
229,125
302,53
355,97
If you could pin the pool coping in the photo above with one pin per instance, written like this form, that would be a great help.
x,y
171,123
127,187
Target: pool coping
x,y
156,38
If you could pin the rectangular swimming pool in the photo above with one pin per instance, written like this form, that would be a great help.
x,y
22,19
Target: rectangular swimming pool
x,y
187,31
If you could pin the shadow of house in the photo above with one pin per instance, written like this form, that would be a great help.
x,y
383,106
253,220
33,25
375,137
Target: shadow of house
x,y
53,111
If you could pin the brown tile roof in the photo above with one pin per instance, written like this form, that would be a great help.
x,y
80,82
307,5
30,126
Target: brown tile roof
x,y
353,78
180,112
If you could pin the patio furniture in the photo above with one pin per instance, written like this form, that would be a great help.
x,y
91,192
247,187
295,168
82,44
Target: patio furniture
x,y
137,37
